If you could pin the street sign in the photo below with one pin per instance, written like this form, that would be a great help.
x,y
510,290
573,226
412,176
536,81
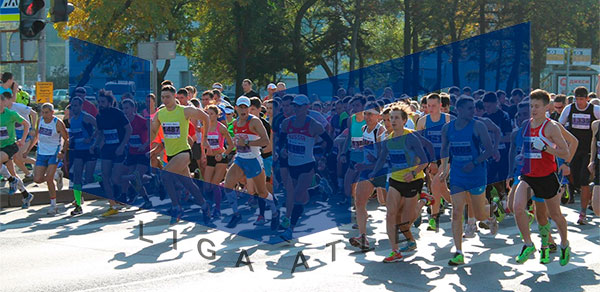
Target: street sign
x,y
9,10
555,56
44,92
574,82
581,57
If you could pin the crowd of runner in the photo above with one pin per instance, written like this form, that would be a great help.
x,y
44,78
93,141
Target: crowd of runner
x,y
485,154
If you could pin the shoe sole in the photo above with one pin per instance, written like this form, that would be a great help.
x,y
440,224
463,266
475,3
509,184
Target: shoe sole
x,y
393,261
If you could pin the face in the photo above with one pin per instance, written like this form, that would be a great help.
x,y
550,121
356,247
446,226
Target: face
x,y
242,111
103,102
205,100
538,108
317,107
516,98
269,107
581,102
397,121
212,115
446,109
357,107
286,105
128,109
466,110
168,98
559,106
254,111
386,120
300,109
281,87
246,86
433,106
372,118
47,113
76,107
271,90
490,107
182,99
522,115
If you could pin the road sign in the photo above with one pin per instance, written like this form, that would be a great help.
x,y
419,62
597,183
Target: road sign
x,y
44,92
581,57
9,10
574,82
555,56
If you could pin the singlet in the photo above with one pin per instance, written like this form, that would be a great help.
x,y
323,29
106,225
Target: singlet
x,y
300,143
464,148
433,133
79,132
401,159
580,125
537,163
369,142
175,129
49,138
139,135
246,152
356,139
215,139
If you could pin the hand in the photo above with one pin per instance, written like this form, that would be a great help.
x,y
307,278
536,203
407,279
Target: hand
x,y
240,141
564,169
372,174
119,150
60,155
538,144
203,161
591,167
284,153
218,157
468,167
433,168
20,142
408,177
359,167
508,182
496,155
442,176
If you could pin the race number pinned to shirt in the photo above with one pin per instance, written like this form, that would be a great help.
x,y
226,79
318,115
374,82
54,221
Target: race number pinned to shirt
x,y
171,130
111,136
581,121
45,131
135,140
398,159
3,133
461,151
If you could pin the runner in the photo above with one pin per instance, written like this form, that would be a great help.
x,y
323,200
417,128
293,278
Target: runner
x,y
461,142
81,139
50,130
541,142
594,166
174,121
21,158
298,134
9,145
405,152
250,136
350,153
577,118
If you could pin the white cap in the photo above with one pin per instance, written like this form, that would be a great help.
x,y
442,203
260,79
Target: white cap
x,y
228,110
217,86
242,100
301,99
271,86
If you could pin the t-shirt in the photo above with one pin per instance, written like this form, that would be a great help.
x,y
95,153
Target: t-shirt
x,y
23,97
502,120
89,108
139,135
8,118
3,90
112,121
22,110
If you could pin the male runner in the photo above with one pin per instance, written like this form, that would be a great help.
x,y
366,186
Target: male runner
x,y
593,166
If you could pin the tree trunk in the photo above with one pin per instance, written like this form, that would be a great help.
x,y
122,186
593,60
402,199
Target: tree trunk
x,y
482,44
297,52
407,62
354,43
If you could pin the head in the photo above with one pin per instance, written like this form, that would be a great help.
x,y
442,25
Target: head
x,y
218,86
247,85
466,91
385,117
80,91
167,82
242,107
301,104
424,108
357,104
559,102
47,111
213,112
192,91
372,113
105,99
7,79
398,116
281,86
465,107
229,111
151,100
490,102
516,95
501,96
271,89
454,90
75,105
255,106
522,113
581,97
129,107
167,95
317,106
5,99
538,101
206,98
269,106
183,96
433,103
286,105
445,103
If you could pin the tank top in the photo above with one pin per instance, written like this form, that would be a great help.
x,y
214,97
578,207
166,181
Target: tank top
x,y
199,133
370,140
175,129
433,133
246,152
215,139
49,138
356,139
537,163
139,135
79,132
400,159
464,148
580,125
300,143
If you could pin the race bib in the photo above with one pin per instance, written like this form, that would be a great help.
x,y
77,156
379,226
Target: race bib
x,y
529,152
111,136
213,141
461,151
581,121
45,131
435,137
3,133
356,142
135,141
244,148
171,130
398,158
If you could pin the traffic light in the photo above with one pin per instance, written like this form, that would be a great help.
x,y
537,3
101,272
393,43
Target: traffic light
x,y
60,9
33,18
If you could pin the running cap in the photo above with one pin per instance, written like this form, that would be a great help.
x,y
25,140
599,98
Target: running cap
x,y
301,99
271,86
243,100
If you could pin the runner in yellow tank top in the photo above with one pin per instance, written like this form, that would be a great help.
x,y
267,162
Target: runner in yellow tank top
x,y
174,120
405,151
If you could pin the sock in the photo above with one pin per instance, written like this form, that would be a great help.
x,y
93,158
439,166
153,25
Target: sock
x,y
4,171
271,201
564,246
296,213
77,194
231,197
261,206
544,231
459,251
471,220
53,202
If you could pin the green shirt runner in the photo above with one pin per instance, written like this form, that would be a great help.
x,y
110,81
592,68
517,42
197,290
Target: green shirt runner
x,y
7,127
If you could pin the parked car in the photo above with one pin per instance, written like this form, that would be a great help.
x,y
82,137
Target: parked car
x,y
60,95
119,88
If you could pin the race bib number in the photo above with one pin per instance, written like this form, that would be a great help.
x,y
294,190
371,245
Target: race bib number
x,y
398,159
172,130
111,136
435,137
598,149
461,151
45,131
529,152
581,121
3,133
356,142
135,141
213,141
244,148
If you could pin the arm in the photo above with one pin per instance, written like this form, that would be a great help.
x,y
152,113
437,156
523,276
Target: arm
x,y
62,130
427,145
381,159
572,142
482,133
553,132
593,151
346,144
512,153
415,145
154,125
258,128
444,152
225,134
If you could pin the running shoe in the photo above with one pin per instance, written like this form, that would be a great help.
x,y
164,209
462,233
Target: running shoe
x,y
484,224
52,211
147,205
470,230
275,220
28,178
494,226
393,257
27,201
216,214
526,252
564,199
77,211
544,255
111,211
499,213
582,219
457,260
432,226
58,177
410,246
418,221
286,235
355,226
260,221
12,186
285,222
235,219
565,255
176,217
552,247
360,242
429,199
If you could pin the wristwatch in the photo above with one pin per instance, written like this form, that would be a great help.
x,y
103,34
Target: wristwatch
x,y
544,148
247,142
223,155
567,164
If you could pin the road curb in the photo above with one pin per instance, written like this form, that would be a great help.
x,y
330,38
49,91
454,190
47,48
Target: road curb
x,y
42,198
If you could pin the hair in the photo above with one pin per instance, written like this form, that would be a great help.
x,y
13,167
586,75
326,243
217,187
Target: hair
x,y
6,76
216,93
48,106
462,100
168,88
247,81
130,101
268,101
540,94
403,108
373,105
287,97
560,98
523,104
517,91
209,93
80,89
454,89
214,108
490,97
433,96
255,102
152,96
592,95
595,101
6,95
466,88
500,92
183,91
76,98
479,104
360,98
445,100
127,95
581,92
191,89
166,82
195,102
386,110
108,95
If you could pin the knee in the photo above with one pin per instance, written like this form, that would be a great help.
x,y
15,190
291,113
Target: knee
x,y
38,179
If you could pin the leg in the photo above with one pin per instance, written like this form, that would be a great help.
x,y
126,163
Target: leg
x,y
553,206
392,206
596,200
408,216
363,192
458,205
520,208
